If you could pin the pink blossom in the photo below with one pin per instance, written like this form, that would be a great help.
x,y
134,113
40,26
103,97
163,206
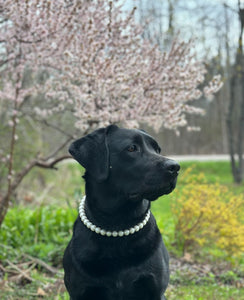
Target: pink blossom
x,y
98,65
10,123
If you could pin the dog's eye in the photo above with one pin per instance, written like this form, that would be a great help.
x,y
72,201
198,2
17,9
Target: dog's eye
x,y
132,148
158,150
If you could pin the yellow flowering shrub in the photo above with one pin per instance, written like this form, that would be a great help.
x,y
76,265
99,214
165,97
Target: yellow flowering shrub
x,y
208,215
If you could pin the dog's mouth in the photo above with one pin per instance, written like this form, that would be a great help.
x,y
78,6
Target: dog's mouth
x,y
170,188
151,192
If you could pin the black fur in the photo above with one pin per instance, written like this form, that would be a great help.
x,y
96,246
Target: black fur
x,y
124,172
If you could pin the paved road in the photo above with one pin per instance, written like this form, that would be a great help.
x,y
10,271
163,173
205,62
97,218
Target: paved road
x,y
212,157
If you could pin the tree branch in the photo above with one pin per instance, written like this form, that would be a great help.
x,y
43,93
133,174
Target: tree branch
x,y
53,154
19,177
51,163
42,263
56,128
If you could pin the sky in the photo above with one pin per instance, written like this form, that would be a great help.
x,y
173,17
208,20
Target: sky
x,y
203,20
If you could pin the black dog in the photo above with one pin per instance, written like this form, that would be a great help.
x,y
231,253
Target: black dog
x,y
117,252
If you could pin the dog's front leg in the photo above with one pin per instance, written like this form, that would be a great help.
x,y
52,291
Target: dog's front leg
x,y
147,288
91,293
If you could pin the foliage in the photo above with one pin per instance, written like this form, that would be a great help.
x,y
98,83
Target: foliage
x,y
208,215
43,232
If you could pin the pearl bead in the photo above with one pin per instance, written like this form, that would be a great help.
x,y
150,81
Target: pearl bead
x,y
115,233
121,233
98,230
108,233
89,224
132,230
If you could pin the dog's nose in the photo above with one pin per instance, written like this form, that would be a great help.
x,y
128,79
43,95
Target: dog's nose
x,y
172,166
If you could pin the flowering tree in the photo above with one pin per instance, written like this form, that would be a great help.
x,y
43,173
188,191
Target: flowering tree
x,y
97,67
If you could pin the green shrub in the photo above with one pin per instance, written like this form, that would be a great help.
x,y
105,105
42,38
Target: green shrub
x,y
43,232
208,215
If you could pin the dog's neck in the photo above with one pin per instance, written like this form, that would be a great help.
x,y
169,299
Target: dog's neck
x,y
110,233
117,212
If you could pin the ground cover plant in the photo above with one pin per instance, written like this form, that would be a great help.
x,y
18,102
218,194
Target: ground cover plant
x,y
208,214
35,234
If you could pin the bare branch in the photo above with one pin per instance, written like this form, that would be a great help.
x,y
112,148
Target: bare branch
x,y
36,162
54,153
22,273
51,163
42,263
57,128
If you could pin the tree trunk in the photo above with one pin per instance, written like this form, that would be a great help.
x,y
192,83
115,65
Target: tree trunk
x,y
237,82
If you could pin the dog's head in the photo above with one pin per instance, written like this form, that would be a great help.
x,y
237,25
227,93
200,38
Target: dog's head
x,y
128,160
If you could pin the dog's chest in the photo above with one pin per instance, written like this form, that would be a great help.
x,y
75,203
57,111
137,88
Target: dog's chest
x,y
110,257
101,256
122,268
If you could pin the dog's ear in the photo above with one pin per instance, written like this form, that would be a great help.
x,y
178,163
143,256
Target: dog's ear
x,y
92,152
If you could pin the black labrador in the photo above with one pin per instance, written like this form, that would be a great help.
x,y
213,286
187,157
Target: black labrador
x,y
117,252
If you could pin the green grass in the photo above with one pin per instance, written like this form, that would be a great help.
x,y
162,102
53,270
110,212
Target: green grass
x,y
214,171
43,286
204,292
182,292
42,228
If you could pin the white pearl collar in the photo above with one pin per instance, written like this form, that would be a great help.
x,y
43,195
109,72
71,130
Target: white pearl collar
x,y
103,232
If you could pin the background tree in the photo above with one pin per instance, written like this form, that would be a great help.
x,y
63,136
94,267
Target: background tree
x,y
217,26
236,107
87,63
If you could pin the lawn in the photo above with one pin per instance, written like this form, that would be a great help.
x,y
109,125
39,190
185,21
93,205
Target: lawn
x,y
204,292
37,230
